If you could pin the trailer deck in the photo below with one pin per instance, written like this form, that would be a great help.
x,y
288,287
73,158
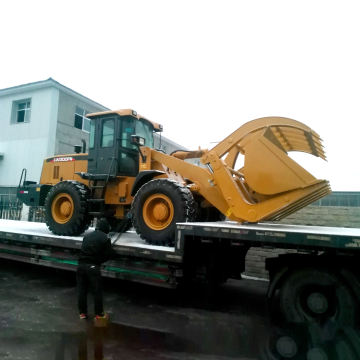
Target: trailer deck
x,y
276,235
32,242
38,233
160,265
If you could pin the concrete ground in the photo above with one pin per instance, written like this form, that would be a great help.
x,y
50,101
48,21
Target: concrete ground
x,y
39,319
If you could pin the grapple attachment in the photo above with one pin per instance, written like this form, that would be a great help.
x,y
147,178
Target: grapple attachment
x,y
270,185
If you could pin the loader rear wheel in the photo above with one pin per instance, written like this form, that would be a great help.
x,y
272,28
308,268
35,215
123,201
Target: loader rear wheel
x,y
66,208
158,206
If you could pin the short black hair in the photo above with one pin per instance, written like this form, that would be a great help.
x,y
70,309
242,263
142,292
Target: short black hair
x,y
103,225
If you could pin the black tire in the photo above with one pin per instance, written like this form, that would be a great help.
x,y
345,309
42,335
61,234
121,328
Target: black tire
x,y
66,210
176,203
317,295
290,341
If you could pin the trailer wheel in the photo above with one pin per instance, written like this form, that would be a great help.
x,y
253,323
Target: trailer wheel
x,y
158,206
66,208
289,341
317,295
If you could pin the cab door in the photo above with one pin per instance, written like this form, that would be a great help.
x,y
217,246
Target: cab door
x,y
103,145
128,156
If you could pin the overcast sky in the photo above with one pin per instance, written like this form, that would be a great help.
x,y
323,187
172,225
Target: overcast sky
x,y
201,68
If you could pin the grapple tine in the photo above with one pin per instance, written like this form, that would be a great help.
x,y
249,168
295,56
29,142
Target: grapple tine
x,y
294,139
301,203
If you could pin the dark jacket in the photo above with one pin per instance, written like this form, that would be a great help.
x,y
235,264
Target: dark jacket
x,y
96,248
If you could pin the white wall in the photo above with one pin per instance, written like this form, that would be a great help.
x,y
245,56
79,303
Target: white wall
x,y
66,134
25,145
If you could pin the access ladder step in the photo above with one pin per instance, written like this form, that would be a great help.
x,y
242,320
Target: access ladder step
x,y
96,200
99,177
96,213
95,177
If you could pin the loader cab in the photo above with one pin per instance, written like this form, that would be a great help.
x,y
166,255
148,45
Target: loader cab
x,y
111,151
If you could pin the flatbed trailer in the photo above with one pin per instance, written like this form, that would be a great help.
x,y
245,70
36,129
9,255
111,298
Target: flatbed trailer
x,y
32,242
318,280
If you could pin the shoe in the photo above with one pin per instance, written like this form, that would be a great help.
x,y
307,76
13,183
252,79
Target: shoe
x,y
83,316
101,320
102,317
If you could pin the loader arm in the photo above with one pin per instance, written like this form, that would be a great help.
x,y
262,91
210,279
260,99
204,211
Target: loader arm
x,y
202,180
270,185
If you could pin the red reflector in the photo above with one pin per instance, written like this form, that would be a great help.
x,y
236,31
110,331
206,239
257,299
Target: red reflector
x,y
22,191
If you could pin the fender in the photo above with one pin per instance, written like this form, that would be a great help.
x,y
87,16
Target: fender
x,y
144,177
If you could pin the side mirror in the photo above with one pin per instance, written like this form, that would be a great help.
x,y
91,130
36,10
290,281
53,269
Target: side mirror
x,y
137,140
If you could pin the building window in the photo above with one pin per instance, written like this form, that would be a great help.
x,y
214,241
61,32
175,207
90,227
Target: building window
x,y
21,111
80,120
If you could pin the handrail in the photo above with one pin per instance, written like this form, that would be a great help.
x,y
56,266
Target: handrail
x,y
23,173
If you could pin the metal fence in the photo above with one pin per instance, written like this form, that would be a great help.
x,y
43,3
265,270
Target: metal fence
x,y
12,209
340,198
36,214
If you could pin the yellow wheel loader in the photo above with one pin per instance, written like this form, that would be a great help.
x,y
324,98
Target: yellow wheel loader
x,y
123,178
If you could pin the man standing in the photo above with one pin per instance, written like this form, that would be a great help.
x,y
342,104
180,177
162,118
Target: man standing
x,y
95,250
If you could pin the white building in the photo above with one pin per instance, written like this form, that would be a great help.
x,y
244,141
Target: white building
x,y
38,120
42,119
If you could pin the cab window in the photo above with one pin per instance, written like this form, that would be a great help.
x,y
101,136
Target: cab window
x,y
145,130
127,131
108,131
92,134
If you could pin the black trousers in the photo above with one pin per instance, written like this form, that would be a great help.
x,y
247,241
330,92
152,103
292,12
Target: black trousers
x,y
89,279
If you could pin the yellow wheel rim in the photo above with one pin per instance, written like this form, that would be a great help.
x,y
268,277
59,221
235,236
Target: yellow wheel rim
x,y
62,208
158,211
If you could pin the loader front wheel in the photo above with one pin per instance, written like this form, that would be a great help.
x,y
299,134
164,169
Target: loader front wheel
x,y
66,208
158,206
